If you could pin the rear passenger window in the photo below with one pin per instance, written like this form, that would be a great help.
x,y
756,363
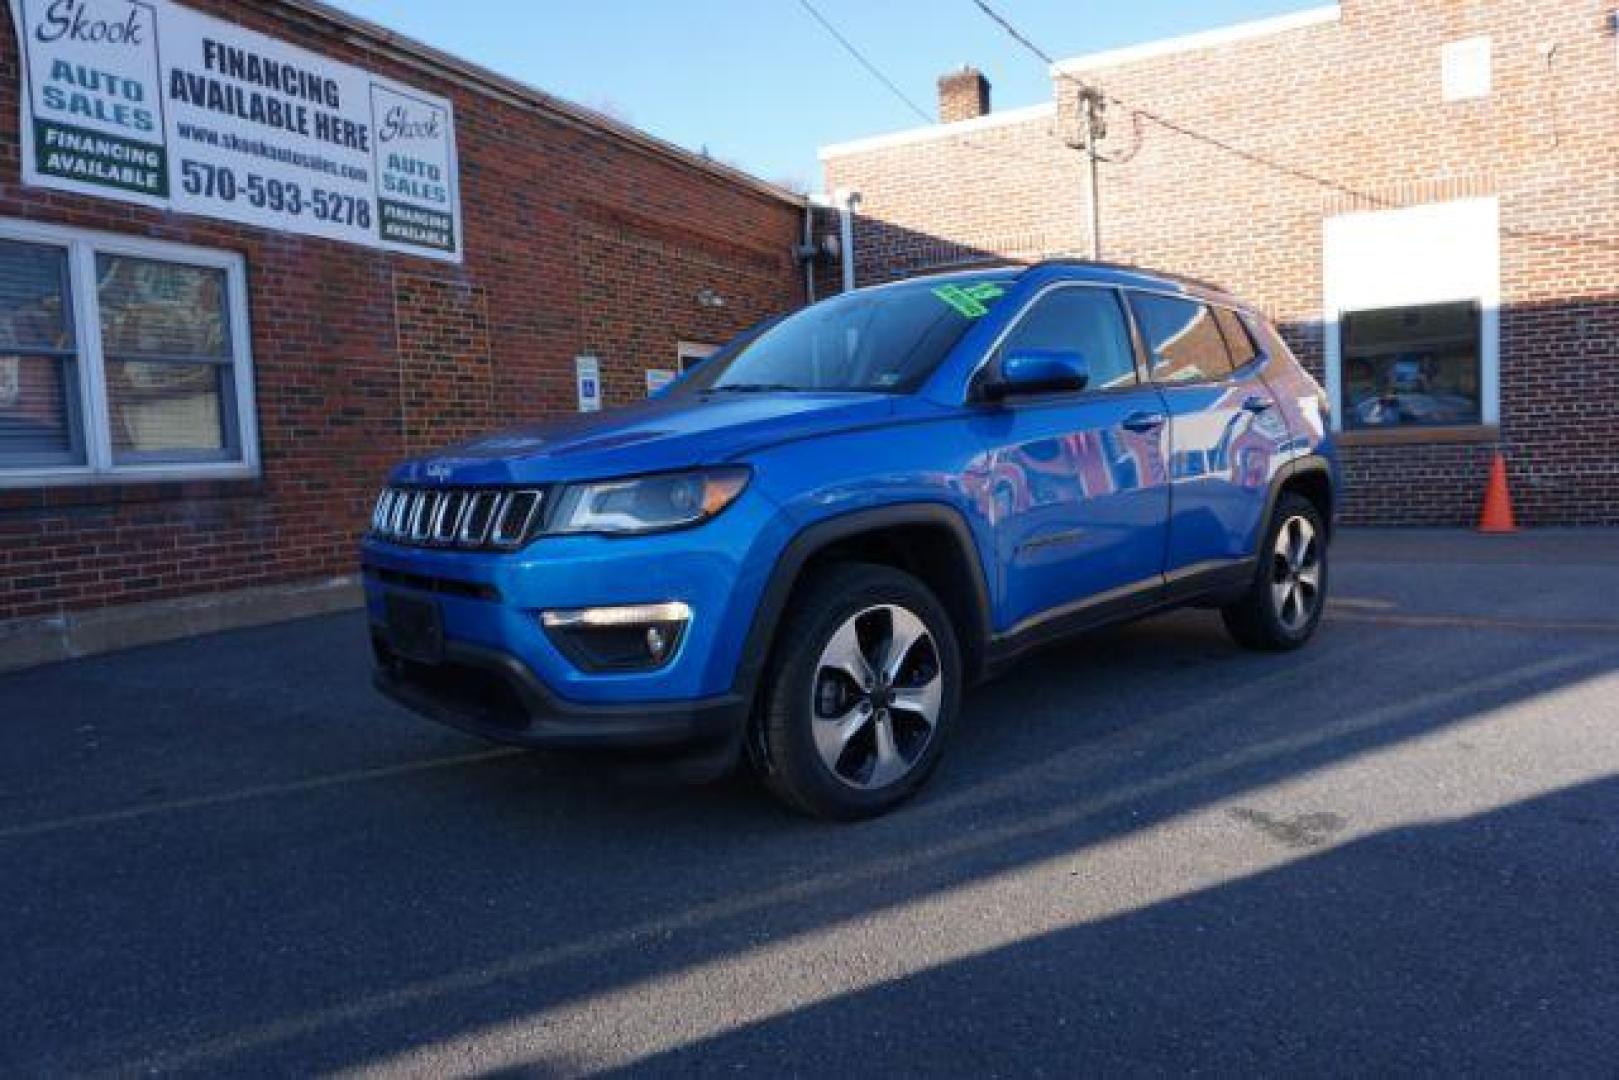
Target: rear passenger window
x,y
1183,342
1238,341
1084,320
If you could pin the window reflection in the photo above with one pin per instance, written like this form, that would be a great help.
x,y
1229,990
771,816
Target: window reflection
x,y
39,419
165,333
1412,366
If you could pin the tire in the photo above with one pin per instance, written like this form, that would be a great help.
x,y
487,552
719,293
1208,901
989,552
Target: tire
x,y
836,739
1283,605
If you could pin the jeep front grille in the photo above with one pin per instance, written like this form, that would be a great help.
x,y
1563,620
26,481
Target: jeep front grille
x,y
498,519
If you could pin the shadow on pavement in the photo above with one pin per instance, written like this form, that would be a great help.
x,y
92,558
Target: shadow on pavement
x,y
1346,961
343,924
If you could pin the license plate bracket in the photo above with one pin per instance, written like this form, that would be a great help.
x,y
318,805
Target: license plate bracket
x,y
415,627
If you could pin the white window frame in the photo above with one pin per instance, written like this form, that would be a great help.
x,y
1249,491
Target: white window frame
x,y
1431,253
688,353
82,247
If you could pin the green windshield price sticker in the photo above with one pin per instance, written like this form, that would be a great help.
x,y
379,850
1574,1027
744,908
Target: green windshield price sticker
x,y
970,300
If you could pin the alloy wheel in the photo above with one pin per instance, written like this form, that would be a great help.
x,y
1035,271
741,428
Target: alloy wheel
x,y
876,697
1296,574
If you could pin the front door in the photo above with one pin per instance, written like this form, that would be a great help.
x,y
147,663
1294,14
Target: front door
x,y
1075,484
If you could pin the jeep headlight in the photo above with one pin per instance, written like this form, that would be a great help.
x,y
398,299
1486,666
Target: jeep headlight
x,y
642,504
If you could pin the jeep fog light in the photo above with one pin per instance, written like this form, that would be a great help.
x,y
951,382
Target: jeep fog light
x,y
635,637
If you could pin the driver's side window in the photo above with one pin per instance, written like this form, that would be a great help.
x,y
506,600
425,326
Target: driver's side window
x,y
1083,320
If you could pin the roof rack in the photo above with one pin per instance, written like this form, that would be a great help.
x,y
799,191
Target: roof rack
x,y
1102,264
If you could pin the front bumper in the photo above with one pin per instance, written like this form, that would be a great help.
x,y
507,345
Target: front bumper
x,y
494,695
501,675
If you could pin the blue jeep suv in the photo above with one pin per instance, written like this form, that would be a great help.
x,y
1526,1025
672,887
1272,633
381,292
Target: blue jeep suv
x,y
805,548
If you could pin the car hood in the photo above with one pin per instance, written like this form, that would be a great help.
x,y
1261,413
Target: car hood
x,y
650,436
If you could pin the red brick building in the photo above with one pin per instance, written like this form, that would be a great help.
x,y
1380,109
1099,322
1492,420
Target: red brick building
x,y
196,407
1425,196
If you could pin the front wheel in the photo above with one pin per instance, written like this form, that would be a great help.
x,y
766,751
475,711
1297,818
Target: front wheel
x,y
1283,605
863,686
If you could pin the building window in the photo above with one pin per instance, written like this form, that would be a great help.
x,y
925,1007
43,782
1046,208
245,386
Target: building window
x,y
1412,366
1464,69
41,423
120,359
688,354
1412,319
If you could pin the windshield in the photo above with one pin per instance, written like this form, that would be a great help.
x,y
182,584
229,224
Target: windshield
x,y
886,340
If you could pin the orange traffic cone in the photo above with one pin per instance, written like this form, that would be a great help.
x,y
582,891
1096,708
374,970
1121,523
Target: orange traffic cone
x,y
1496,517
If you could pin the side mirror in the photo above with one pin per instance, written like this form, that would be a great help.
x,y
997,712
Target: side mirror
x,y
1038,371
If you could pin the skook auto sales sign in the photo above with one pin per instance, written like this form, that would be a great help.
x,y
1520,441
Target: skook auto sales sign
x,y
149,102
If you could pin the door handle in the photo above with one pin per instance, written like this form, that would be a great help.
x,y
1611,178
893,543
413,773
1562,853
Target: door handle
x,y
1258,403
1144,421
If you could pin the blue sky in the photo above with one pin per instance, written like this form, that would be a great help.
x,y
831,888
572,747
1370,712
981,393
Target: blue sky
x,y
758,82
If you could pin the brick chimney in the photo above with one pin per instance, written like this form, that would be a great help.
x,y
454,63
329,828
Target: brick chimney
x,y
963,95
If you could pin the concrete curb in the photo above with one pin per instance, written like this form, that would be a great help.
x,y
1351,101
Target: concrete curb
x,y
26,643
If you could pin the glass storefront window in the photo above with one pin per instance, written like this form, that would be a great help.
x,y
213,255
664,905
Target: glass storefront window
x,y
1412,366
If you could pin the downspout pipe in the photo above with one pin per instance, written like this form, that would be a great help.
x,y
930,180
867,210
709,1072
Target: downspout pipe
x,y
847,201
809,250
806,250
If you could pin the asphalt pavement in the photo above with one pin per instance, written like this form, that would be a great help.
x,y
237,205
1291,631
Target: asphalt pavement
x,y
1147,851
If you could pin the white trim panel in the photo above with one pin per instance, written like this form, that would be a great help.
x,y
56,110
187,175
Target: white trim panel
x,y
1429,254
1464,69
1207,39
939,131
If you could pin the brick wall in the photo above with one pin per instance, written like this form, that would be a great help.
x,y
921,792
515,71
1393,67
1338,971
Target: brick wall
x,y
1357,102
446,378
576,241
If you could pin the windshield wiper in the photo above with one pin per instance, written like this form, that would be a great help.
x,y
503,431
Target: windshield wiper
x,y
751,388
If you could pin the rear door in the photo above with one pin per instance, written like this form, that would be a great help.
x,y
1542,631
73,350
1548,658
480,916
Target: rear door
x,y
1226,433
1075,484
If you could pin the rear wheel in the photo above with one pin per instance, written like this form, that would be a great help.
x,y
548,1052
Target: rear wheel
x,y
862,689
1283,605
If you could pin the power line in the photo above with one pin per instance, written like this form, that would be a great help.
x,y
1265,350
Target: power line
x,y
893,88
1165,122
1015,33
859,56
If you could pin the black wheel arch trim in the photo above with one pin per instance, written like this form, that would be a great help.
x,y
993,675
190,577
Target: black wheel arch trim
x,y
1304,466
816,538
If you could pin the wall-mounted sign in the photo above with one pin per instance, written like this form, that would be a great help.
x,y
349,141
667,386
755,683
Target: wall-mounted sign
x,y
657,380
587,372
149,102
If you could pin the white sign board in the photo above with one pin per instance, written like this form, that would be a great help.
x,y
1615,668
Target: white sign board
x,y
149,102
587,370
657,379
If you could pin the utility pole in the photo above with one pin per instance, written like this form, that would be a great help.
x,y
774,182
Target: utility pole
x,y
1093,122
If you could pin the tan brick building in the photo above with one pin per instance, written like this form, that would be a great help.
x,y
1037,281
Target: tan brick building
x,y
1423,193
